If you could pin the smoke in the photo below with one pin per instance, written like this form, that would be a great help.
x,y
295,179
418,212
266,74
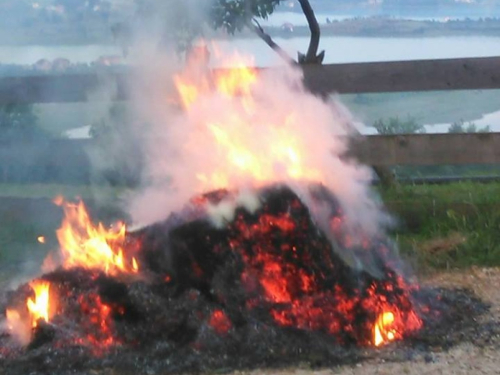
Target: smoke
x,y
246,132
278,132
17,327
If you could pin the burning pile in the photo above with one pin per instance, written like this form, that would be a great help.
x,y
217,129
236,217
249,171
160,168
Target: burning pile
x,y
272,268
268,267
276,264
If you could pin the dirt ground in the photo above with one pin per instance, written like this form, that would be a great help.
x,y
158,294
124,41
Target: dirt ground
x,y
462,360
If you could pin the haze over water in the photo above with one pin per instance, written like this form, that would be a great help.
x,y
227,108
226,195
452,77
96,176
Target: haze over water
x,y
338,49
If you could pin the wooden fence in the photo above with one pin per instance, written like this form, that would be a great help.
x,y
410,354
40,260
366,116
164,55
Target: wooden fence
x,y
68,158
396,76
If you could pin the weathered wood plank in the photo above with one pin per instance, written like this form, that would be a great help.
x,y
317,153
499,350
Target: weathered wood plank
x,y
427,149
68,161
419,75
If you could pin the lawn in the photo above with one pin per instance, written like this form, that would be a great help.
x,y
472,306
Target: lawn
x,y
452,225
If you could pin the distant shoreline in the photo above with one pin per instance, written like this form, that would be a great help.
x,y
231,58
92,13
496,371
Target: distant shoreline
x,y
355,27
394,27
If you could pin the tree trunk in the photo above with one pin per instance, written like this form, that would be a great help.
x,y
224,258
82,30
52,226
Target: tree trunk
x,y
312,52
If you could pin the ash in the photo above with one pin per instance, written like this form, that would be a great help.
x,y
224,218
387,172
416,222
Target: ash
x,y
268,289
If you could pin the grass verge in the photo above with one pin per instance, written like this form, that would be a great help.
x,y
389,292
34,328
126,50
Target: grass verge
x,y
452,225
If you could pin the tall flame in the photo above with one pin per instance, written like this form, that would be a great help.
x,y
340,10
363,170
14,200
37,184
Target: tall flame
x,y
246,147
39,306
90,246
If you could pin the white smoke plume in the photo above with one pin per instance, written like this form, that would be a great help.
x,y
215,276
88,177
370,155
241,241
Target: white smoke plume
x,y
286,133
188,150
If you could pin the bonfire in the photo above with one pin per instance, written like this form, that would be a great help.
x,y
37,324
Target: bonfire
x,y
275,257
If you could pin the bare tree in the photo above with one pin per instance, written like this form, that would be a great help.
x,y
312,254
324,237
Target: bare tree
x,y
236,14
229,15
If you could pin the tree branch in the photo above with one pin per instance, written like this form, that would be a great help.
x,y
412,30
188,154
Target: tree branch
x,y
255,26
312,52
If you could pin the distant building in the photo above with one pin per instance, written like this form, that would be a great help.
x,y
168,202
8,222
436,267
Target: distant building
x,y
43,65
288,27
60,64
109,60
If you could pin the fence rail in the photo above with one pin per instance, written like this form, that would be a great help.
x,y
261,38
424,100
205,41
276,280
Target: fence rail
x,y
427,149
66,160
69,160
395,76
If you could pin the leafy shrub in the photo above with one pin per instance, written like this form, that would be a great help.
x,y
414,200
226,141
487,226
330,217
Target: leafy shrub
x,y
461,127
394,125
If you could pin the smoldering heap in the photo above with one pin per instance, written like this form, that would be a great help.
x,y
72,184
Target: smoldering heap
x,y
294,273
267,288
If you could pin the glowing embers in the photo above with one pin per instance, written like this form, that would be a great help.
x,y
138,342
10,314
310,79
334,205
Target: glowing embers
x,y
290,269
96,322
84,244
220,322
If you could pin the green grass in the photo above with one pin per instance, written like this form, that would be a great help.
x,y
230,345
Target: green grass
x,y
467,191
453,225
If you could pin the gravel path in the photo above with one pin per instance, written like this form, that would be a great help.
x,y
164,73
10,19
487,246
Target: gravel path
x,y
462,360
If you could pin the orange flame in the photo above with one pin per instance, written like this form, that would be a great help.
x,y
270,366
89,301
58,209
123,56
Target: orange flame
x,y
244,147
383,330
39,306
90,246
236,81
21,322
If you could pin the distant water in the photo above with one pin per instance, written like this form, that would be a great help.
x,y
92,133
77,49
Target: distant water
x,y
362,49
491,119
338,49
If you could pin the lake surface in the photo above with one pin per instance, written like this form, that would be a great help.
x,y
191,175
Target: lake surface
x,y
338,49
491,119
360,49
